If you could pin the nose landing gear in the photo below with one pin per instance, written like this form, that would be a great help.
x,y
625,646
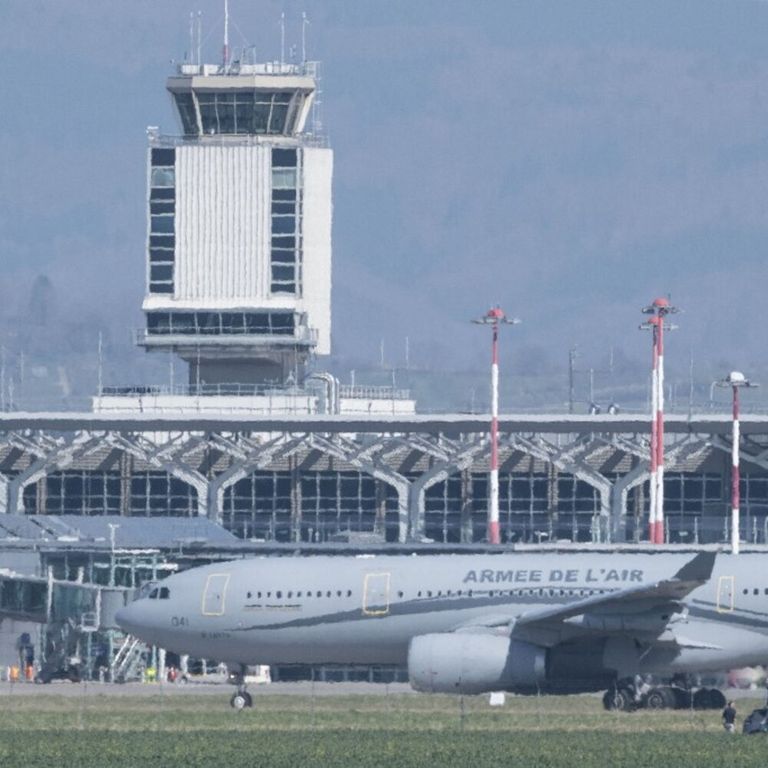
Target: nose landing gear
x,y
241,699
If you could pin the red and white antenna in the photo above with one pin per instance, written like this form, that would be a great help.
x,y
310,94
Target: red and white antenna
x,y
735,380
659,309
494,317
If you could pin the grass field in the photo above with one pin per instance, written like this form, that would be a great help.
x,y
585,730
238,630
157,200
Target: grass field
x,y
189,730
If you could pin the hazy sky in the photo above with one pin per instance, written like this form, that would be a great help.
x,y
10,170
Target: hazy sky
x,y
569,160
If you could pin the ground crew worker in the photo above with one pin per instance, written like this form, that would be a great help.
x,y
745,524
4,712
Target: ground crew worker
x,y
729,718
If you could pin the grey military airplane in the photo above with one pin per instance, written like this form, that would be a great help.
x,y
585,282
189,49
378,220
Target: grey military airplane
x,y
523,622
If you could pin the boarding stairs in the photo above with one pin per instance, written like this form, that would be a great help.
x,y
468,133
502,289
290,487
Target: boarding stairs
x,y
128,660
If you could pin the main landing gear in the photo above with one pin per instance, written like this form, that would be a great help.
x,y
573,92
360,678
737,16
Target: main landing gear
x,y
241,699
630,694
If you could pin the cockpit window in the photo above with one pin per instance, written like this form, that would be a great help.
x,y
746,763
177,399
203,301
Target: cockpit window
x,y
165,593
153,594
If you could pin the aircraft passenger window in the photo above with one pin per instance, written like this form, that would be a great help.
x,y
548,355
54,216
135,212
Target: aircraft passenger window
x,y
298,594
470,593
269,594
419,595
328,593
248,595
164,593
319,593
459,592
153,594
429,593
746,592
490,594
258,594
349,593
399,594
338,594
756,592
765,591
278,594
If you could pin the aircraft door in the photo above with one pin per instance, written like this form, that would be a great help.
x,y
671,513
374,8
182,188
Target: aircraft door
x,y
376,594
215,594
726,591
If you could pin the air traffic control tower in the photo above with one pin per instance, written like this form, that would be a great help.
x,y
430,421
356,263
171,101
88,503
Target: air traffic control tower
x,y
239,226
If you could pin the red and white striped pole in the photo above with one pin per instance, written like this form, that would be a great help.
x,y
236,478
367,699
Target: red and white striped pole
x,y
654,458
494,534
735,380
659,309
494,317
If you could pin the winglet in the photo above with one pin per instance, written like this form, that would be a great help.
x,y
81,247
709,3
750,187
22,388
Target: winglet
x,y
699,568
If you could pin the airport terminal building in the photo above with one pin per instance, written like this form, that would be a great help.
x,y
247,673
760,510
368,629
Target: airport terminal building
x,y
252,453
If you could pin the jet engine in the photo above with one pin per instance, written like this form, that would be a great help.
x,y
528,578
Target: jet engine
x,y
469,663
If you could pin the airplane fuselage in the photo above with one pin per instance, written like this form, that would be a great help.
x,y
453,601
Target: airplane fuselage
x,y
366,610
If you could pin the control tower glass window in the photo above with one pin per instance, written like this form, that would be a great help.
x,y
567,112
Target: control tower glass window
x,y
186,323
286,222
186,106
162,219
242,112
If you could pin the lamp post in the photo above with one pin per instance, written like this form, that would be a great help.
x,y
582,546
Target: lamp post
x,y
735,380
494,317
658,310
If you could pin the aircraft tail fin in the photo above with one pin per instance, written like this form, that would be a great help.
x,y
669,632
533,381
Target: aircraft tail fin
x,y
698,568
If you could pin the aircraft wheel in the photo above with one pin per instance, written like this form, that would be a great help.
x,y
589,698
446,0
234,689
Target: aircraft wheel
x,y
241,700
716,699
617,699
701,699
660,698
683,698
656,699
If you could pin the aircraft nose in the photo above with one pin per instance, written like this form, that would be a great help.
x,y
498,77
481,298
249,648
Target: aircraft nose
x,y
127,619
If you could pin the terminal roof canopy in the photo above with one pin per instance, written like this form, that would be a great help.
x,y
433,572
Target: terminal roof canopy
x,y
134,532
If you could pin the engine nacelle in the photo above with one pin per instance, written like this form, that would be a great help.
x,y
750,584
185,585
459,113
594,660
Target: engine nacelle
x,y
474,663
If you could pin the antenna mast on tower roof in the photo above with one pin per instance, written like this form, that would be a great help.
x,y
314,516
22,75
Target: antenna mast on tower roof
x,y
225,51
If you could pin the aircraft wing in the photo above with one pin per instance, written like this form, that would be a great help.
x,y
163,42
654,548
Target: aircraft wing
x,y
645,609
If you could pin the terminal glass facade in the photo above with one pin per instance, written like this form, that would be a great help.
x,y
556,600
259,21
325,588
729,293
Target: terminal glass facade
x,y
309,506
95,492
305,499
531,506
